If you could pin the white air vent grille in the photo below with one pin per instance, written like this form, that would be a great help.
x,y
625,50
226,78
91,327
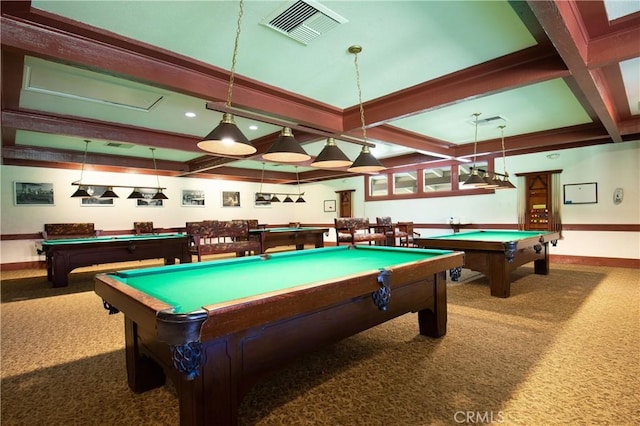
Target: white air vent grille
x,y
303,21
496,120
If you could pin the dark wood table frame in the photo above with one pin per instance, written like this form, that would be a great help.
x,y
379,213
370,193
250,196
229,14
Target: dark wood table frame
x,y
497,259
291,237
63,258
216,355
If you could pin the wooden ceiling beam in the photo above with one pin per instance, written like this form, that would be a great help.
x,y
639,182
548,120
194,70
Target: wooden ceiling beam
x,y
565,28
529,66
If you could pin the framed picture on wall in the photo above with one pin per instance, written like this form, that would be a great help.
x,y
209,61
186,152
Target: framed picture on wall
x,y
230,199
33,194
148,200
329,205
192,198
95,200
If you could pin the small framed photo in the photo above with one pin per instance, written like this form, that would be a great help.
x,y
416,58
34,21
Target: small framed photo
x,y
192,198
148,200
33,194
329,205
95,200
230,199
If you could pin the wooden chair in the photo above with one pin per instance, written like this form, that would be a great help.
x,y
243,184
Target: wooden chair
x,y
216,237
143,227
390,230
354,230
407,229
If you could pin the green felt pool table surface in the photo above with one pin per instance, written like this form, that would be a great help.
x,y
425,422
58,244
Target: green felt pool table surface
x,y
188,287
491,235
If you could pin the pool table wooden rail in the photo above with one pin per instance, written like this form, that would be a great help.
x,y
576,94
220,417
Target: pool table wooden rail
x,y
242,341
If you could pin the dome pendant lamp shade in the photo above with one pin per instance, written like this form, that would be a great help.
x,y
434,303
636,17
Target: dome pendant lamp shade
x,y
286,149
288,199
366,162
331,156
475,179
275,199
109,193
160,195
227,139
135,194
81,192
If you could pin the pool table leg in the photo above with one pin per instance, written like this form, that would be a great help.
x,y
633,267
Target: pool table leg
x,y
143,373
433,323
499,275
541,266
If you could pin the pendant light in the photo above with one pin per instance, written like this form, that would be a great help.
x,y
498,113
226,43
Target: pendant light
x,y
331,156
286,149
159,195
226,138
474,178
81,192
505,183
366,162
260,196
109,193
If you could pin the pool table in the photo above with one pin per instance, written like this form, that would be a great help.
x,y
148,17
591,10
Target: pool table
x,y
64,255
496,253
216,328
298,236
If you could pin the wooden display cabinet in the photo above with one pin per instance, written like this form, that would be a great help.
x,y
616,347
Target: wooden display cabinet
x,y
539,206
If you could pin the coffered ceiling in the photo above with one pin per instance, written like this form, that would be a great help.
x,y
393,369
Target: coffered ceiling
x,y
123,75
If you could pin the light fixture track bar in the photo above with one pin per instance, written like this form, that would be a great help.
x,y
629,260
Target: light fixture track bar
x,y
77,183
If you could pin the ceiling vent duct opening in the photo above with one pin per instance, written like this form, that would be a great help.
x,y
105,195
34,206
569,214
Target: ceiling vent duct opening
x,y
495,120
303,21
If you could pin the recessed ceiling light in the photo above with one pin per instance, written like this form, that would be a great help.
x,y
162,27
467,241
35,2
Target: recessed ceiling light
x,y
253,127
190,114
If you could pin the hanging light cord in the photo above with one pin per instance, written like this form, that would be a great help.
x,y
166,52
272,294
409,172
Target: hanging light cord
x,y
355,52
84,160
298,180
262,178
475,140
504,155
235,54
154,166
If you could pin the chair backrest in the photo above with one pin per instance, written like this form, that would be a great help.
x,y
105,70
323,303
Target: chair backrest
x,y
68,230
347,224
384,220
143,227
406,227
232,229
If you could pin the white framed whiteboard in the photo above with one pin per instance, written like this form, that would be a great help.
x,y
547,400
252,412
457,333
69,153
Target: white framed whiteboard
x,y
581,193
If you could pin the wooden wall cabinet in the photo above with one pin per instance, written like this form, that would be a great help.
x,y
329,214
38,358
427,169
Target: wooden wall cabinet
x,y
538,201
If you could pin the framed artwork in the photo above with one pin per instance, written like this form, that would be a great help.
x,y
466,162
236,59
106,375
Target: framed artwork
x,y
148,200
580,193
32,194
192,198
329,205
230,199
266,202
95,200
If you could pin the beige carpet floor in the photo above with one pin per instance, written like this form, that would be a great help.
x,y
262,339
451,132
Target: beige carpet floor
x,y
564,349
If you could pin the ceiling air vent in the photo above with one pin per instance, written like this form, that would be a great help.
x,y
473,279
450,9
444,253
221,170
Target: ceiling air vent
x,y
303,21
495,120
118,145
